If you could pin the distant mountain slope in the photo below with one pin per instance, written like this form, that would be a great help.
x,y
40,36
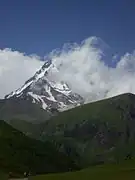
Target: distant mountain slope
x,y
19,153
100,132
22,109
106,109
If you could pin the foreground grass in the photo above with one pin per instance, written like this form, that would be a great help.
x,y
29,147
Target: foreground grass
x,y
124,171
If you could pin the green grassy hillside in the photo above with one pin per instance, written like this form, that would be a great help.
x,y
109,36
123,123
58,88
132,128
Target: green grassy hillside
x,y
92,134
123,171
95,133
110,110
19,153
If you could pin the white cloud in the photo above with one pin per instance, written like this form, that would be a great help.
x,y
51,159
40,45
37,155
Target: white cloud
x,y
15,69
82,66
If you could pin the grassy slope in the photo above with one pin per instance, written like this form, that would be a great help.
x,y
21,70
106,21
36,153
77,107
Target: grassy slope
x,y
89,132
19,153
28,128
105,110
22,109
101,129
123,171
113,118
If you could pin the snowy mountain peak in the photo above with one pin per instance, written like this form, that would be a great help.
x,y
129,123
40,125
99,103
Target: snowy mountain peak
x,y
46,92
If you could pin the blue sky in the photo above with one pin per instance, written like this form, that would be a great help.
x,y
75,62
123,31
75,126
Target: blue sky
x,y
42,25
38,27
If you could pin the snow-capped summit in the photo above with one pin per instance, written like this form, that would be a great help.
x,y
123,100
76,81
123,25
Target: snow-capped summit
x,y
46,92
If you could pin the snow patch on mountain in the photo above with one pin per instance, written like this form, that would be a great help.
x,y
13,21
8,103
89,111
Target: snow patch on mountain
x,y
38,99
46,92
20,90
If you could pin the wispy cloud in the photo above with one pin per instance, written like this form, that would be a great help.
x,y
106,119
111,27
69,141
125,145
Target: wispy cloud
x,y
84,68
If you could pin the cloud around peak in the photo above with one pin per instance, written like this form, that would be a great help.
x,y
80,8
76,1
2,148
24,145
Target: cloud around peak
x,y
83,66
